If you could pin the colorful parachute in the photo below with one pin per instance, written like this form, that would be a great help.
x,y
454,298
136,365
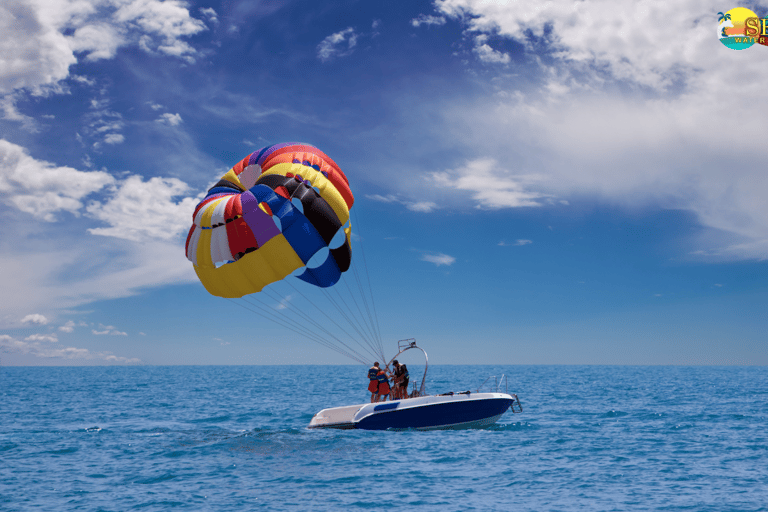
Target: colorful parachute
x,y
267,217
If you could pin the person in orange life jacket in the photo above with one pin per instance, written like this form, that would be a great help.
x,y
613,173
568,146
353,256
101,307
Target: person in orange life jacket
x,y
383,386
373,385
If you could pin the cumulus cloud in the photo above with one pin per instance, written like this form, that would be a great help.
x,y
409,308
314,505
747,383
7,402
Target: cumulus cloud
x,y
487,54
41,40
170,119
68,327
35,318
439,259
41,188
140,209
337,45
114,138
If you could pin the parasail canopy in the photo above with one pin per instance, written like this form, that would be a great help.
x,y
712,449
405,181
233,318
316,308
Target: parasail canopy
x,y
267,217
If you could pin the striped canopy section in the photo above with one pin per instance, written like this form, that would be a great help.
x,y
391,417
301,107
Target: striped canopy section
x,y
267,217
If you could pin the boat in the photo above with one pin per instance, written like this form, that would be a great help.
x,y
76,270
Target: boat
x,y
466,409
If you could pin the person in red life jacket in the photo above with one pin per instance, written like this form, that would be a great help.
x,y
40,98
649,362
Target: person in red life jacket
x,y
383,386
373,385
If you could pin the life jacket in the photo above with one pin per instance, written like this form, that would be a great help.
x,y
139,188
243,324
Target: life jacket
x,y
372,372
405,372
384,388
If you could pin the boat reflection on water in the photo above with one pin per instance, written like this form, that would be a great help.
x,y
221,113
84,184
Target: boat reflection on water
x,y
467,409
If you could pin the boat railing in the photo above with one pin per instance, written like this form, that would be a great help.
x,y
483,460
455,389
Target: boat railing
x,y
516,406
496,382
408,344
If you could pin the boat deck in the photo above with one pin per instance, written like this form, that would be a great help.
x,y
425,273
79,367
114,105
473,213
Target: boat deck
x,y
336,417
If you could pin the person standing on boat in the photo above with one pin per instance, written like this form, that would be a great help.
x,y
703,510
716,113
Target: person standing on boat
x,y
383,386
404,381
398,377
373,385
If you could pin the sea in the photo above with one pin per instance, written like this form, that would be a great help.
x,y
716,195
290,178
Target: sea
x,y
235,438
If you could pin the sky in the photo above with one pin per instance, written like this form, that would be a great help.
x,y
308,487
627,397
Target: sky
x,y
535,183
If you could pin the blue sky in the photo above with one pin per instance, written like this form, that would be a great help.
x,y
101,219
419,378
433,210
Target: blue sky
x,y
559,183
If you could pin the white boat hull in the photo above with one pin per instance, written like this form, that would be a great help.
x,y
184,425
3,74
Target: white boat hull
x,y
458,411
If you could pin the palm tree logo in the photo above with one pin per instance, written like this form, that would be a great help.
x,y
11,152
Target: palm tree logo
x,y
723,22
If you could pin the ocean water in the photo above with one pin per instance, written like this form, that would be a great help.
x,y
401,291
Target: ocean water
x,y
235,438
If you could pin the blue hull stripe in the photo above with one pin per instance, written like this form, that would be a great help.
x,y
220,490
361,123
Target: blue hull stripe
x,y
449,413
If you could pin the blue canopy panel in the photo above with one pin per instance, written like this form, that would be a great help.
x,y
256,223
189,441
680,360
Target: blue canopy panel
x,y
327,274
305,240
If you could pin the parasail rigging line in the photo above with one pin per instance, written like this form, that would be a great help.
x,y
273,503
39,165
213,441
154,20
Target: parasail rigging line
x,y
326,341
368,278
286,303
268,312
357,304
306,333
349,321
353,322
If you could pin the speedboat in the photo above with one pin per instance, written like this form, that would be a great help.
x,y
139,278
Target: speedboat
x,y
420,411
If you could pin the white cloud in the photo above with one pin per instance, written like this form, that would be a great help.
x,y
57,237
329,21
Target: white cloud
x,y
492,186
576,32
414,206
37,348
284,302
439,259
68,327
210,14
114,138
424,19
638,115
339,44
421,206
104,125
170,119
59,266
42,189
110,331
64,271
51,338
383,199
33,52
487,54
518,243
97,40
140,209
42,39
35,318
